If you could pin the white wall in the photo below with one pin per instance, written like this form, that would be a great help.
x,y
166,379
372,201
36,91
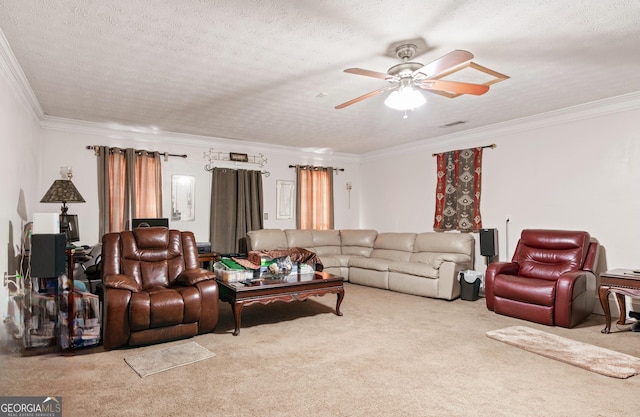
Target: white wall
x,y
19,139
64,144
573,169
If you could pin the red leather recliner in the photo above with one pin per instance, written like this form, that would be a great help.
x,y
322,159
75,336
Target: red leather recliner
x,y
154,288
550,279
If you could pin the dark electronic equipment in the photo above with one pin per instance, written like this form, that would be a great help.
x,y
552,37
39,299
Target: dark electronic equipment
x,y
48,255
158,222
488,242
204,247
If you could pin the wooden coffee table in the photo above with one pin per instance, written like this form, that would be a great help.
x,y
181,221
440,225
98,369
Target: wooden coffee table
x,y
292,288
621,282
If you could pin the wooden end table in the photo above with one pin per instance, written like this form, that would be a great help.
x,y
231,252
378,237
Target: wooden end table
x,y
206,260
292,288
620,282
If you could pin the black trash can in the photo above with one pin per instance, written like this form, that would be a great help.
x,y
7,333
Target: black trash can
x,y
469,290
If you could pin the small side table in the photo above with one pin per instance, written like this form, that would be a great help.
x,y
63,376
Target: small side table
x,y
207,259
620,282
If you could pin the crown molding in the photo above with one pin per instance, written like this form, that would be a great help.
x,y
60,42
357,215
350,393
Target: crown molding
x,y
571,114
13,72
145,134
17,80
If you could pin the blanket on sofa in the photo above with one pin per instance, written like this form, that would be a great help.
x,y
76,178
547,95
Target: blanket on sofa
x,y
297,255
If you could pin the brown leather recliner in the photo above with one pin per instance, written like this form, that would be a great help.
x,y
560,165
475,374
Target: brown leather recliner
x,y
550,279
154,288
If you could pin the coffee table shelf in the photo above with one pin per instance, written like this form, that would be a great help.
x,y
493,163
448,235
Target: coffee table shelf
x,y
297,287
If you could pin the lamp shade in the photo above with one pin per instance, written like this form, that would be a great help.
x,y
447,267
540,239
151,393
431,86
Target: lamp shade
x,y
406,98
62,191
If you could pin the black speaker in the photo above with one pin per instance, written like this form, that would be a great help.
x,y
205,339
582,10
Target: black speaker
x,y
488,242
48,256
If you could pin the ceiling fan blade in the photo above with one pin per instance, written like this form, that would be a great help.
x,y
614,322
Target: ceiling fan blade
x,y
454,87
368,73
445,62
365,96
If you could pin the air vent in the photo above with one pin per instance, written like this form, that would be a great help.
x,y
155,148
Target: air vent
x,y
459,122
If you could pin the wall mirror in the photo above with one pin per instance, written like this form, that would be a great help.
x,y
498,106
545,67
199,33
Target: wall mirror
x,y
285,195
182,198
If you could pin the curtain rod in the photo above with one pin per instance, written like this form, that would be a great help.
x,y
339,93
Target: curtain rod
x,y
211,168
311,167
165,154
492,146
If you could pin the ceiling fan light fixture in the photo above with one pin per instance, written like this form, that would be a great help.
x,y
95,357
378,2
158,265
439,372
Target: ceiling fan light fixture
x,y
406,98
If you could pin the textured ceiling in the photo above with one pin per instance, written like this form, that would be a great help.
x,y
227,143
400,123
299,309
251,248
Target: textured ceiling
x,y
272,71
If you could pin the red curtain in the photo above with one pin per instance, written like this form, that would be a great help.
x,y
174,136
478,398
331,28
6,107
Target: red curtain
x,y
459,175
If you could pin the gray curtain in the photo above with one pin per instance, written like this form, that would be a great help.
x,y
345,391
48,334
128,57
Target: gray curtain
x,y
236,208
104,202
129,187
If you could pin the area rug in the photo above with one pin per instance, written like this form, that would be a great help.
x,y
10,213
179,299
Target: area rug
x,y
150,363
593,358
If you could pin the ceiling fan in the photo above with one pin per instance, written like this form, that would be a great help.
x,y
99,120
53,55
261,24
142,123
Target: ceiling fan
x,y
405,76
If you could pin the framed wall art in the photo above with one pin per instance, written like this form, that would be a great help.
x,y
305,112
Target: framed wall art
x,y
238,157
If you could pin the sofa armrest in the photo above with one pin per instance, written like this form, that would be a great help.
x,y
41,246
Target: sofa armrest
x,y
574,290
193,276
456,258
496,268
448,269
122,282
115,329
209,314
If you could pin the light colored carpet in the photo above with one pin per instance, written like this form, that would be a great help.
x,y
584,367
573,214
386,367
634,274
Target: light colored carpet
x,y
389,355
160,360
593,358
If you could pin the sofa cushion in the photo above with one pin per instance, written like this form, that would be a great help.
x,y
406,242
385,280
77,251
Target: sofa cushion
x,y
369,263
329,261
393,246
525,290
396,241
414,268
326,242
297,238
444,242
357,242
344,259
547,254
265,239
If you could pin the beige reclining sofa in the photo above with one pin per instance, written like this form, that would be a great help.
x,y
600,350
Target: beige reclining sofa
x,y
425,264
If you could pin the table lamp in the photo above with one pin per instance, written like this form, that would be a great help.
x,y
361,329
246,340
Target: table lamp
x,y
63,191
